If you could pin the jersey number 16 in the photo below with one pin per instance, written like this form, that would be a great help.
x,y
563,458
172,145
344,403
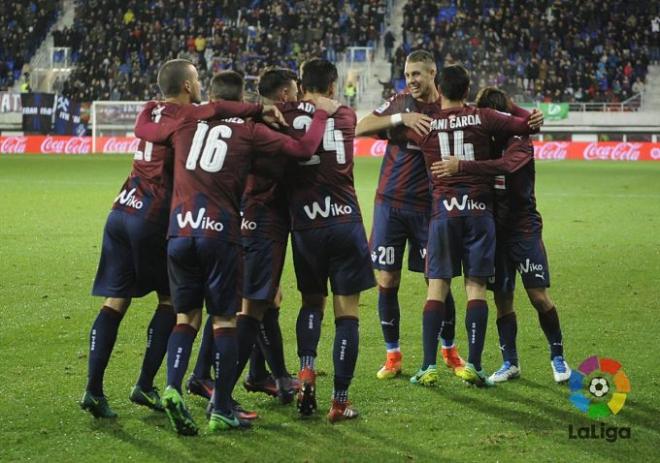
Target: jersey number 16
x,y
215,149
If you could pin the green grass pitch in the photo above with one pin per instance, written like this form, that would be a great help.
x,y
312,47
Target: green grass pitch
x,y
602,232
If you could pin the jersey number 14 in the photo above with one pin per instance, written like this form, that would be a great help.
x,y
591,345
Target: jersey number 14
x,y
463,151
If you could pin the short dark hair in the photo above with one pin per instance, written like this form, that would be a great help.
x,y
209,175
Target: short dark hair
x,y
172,75
492,97
318,75
227,85
421,56
454,82
273,79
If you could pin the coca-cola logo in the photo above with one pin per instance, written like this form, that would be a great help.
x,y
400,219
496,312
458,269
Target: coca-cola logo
x,y
68,145
378,148
551,150
121,145
13,145
612,152
655,154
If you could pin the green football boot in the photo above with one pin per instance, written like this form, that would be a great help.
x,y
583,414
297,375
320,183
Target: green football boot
x,y
178,413
427,377
97,406
149,399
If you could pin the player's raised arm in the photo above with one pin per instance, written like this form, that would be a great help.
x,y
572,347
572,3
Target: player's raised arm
x,y
517,154
498,123
150,130
269,142
221,109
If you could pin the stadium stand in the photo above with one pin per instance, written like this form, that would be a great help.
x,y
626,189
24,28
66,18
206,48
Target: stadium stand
x,y
543,51
24,26
118,46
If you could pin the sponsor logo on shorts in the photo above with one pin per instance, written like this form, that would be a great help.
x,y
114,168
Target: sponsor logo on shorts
x,y
329,209
530,267
465,203
201,222
127,198
248,225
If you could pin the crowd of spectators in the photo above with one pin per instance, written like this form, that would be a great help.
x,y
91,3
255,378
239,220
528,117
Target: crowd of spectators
x,y
24,26
547,50
119,45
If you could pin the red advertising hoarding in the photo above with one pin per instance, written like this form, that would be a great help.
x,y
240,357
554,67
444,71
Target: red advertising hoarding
x,y
364,147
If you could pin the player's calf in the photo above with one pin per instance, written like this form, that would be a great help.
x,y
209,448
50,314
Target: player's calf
x,y
549,321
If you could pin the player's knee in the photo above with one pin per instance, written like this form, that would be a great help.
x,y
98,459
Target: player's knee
x,y
388,279
224,321
164,299
504,303
255,309
438,289
279,297
192,318
314,302
118,304
346,306
475,288
540,299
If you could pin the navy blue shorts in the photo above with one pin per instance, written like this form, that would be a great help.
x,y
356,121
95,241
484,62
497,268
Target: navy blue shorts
x,y
205,270
392,228
526,255
339,253
133,259
455,242
263,261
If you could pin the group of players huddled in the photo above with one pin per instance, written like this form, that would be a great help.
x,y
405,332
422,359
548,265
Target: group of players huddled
x,y
215,190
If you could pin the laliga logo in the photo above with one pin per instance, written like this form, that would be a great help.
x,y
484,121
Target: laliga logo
x,y
552,150
618,152
121,145
594,382
13,145
599,388
71,145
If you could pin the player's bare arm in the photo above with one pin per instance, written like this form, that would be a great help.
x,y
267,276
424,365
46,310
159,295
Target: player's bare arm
x,y
372,124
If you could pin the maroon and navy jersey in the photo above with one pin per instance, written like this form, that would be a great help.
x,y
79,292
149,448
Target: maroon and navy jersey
x,y
147,191
264,207
320,191
464,132
403,181
211,163
515,201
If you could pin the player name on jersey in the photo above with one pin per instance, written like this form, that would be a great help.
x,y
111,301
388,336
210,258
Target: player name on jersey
x,y
455,122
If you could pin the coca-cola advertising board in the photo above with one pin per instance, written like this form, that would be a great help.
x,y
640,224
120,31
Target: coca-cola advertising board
x,y
363,147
